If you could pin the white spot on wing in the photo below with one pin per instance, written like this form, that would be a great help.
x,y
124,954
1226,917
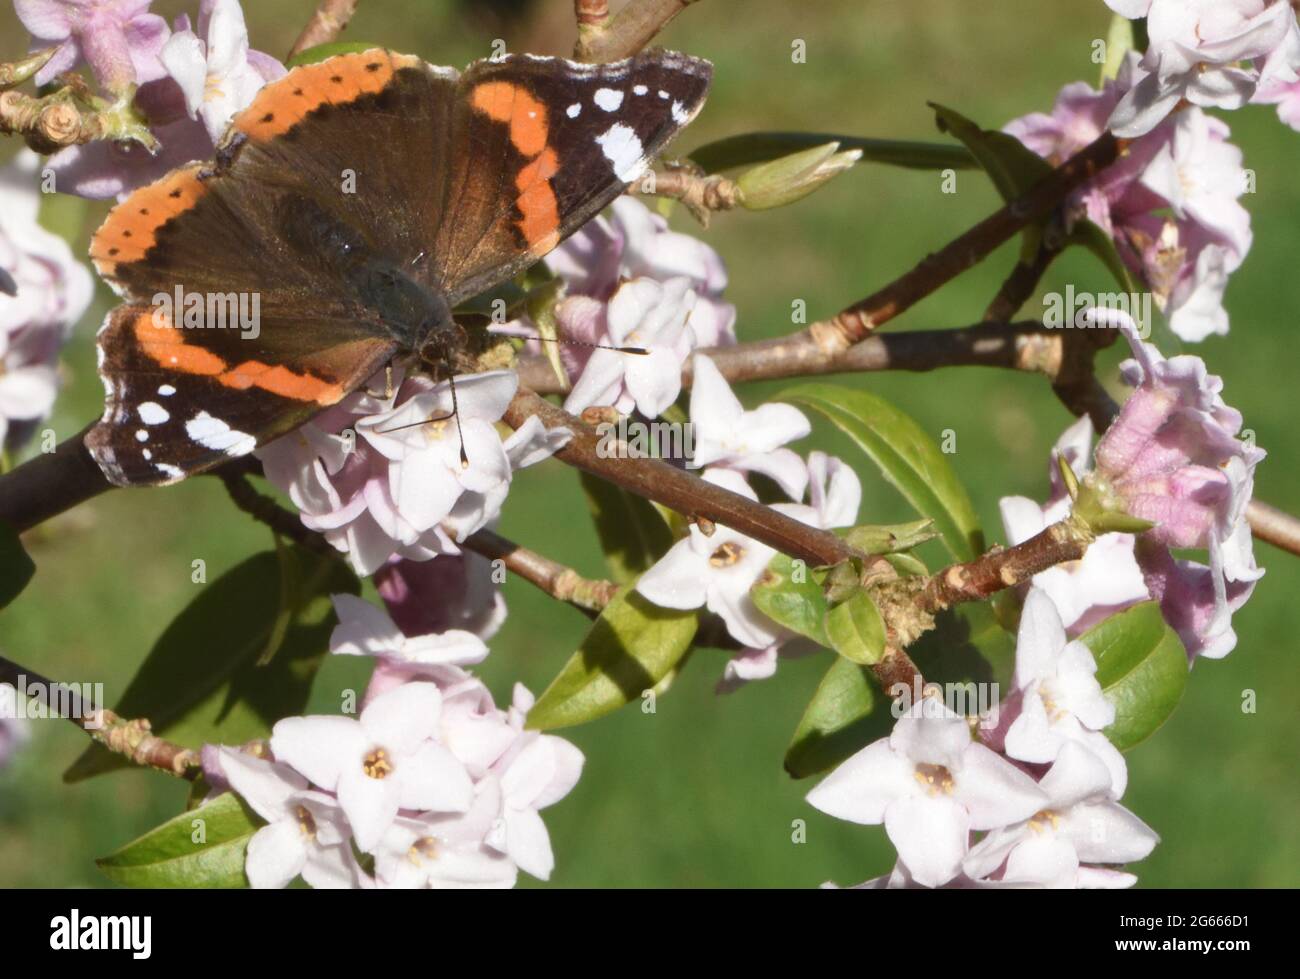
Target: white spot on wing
x,y
171,472
213,433
680,115
623,149
152,413
147,454
573,110
141,435
608,99
166,390
663,95
639,90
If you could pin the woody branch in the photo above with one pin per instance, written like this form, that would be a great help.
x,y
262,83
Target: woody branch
x,y
325,25
606,37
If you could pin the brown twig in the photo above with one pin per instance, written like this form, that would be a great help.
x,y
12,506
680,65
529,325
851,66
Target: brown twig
x,y
857,321
326,24
1020,285
701,193
557,580
47,124
605,38
132,739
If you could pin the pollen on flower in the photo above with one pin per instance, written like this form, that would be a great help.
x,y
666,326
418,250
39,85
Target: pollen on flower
x,y
377,764
306,822
1040,822
726,555
935,779
425,848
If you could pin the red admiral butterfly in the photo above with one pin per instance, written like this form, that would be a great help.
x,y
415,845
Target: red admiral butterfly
x,y
458,182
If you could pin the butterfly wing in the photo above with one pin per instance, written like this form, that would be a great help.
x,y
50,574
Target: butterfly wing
x,y
540,145
218,232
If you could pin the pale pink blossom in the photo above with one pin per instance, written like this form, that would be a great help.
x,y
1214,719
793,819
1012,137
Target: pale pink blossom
x,y
383,761
119,39
1107,578
306,834
1201,51
930,785
450,591
729,437
643,313
1057,699
1080,824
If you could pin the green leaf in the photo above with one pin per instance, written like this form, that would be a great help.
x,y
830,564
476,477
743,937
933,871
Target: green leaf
x,y
169,856
798,605
760,147
1094,239
891,538
847,712
855,629
909,459
968,646
1012,166
322,51
201,682
1120,40
632,532
16,568
1142,669
631,647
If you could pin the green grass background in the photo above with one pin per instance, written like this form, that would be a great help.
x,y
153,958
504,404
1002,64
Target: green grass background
x,y
694,794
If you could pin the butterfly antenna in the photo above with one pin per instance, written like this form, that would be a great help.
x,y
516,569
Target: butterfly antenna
x,y
455,413
641,351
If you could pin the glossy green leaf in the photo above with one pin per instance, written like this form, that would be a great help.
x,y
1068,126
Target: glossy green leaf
x,y
847,712
791,596
1121,38
1013,167
856,630
201,683
748,149
322,51
891,538
633,534
907,456
631,647
967,646
202,847
16,568
1142,669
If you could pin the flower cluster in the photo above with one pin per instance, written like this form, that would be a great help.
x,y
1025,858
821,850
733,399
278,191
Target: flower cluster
x,y
435,783
1211,53
43,292
191,80
1041,781
1171,205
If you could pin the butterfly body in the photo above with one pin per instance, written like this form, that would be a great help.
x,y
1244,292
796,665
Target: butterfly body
x,y
354,204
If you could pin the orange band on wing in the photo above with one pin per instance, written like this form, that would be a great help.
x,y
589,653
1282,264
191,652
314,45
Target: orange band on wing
x,y
166,345
131,228
516,106
344,78
537,203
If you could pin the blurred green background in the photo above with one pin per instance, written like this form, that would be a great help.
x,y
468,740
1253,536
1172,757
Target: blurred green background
x,y
694,795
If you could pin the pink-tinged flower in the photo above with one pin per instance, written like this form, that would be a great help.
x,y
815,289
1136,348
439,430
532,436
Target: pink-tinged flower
x,y
1080,824
119,39
1173,458
717,571
450,591
901,879
438,850
633,242
306,834
43,293
1056,699
1107,578
382,762
1201,175
643,313
1197,603
366,630
216,71
1279,81
930,785
1196,52
382,476
729,437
